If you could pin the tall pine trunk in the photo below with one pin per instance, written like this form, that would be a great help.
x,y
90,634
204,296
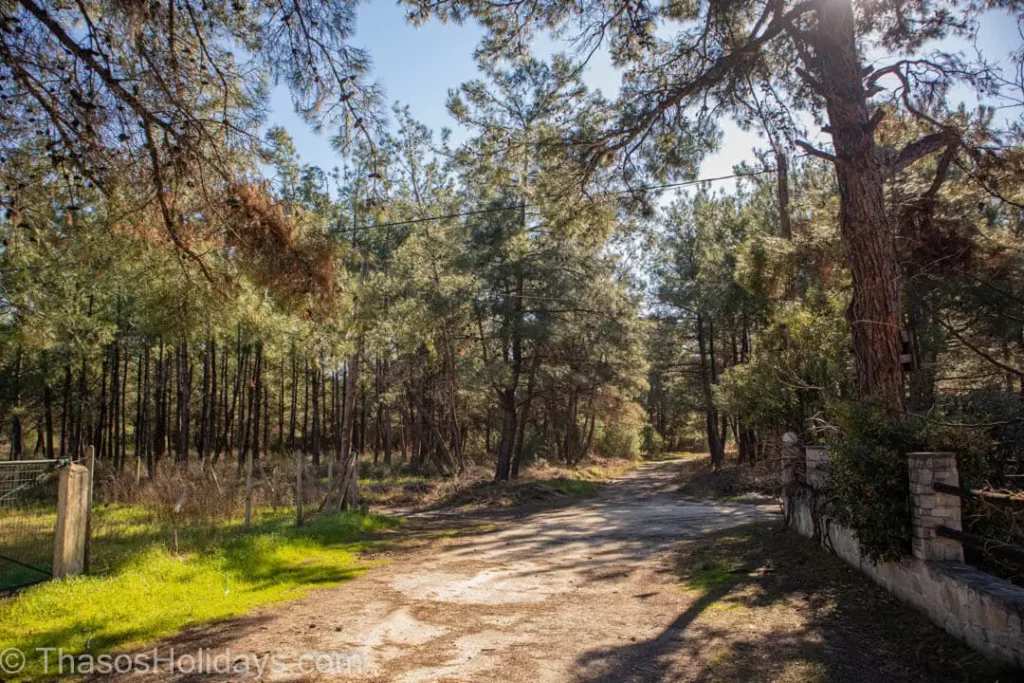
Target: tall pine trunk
x,y
874,312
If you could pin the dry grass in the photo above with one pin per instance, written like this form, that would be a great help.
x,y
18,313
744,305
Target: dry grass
x,y
211,493
541,482
734,481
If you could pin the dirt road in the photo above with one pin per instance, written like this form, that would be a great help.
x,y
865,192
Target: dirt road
x,y
551,595
605,590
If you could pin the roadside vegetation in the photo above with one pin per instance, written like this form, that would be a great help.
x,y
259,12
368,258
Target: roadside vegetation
x,y
735,481
539,482
160,562
145,591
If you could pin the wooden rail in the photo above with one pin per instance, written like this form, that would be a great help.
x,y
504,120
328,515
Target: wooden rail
x,y
1001,499
1006,551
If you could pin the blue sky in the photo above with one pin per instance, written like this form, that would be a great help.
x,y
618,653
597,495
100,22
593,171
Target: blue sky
x,y
418,66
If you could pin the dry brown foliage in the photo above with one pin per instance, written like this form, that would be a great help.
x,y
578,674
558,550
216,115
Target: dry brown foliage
x,y
297,265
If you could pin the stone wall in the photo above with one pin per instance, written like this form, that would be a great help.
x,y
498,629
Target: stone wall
x,y
976,607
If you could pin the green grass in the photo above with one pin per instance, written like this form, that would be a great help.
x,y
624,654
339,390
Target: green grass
x,y
584,481
151,593
573,487
398,479
709,572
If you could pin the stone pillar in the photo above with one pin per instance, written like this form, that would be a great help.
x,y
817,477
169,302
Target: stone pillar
x,y
931,509
819,467
72,521
790,450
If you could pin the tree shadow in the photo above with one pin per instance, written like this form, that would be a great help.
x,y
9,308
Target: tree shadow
x,y
770,605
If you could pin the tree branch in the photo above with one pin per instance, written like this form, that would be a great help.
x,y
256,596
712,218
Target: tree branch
x,y
999,364
920,148
815,152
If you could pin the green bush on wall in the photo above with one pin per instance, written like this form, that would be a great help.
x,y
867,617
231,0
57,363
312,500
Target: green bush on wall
x,y
870,488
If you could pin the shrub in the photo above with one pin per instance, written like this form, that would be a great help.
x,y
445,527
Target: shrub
x,y
870,491
653,442
620,441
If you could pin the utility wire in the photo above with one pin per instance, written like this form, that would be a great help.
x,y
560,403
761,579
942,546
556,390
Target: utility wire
x,y
514,207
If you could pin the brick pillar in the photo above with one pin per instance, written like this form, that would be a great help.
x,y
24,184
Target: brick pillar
x,y
819,467
930,509
72,521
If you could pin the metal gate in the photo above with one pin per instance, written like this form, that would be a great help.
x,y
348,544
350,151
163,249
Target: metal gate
x,y
28,517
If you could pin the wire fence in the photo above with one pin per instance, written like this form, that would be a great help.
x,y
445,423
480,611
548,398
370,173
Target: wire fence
x,y
181,507
28,514
196,507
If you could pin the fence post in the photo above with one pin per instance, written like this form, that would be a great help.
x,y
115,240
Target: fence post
x,y
299,460
72,521
931,509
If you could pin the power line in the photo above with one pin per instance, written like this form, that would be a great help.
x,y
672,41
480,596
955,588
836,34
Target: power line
x,y
520,206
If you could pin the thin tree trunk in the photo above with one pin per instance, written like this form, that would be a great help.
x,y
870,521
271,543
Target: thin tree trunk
x,y
347,497
710,411
101,424
280,412
65,415
83,398
507,404
254,406
138,445
123,409
305,404
266,414
244,389
204,405
115,415
160,408
184,392
316,416
295,384
16,445
238,404
147,436
211,431
517,455
48,418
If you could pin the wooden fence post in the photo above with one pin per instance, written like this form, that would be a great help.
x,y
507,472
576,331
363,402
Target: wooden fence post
x,y
72,521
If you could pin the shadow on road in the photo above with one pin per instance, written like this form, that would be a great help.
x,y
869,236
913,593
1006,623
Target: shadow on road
x,y
771,606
